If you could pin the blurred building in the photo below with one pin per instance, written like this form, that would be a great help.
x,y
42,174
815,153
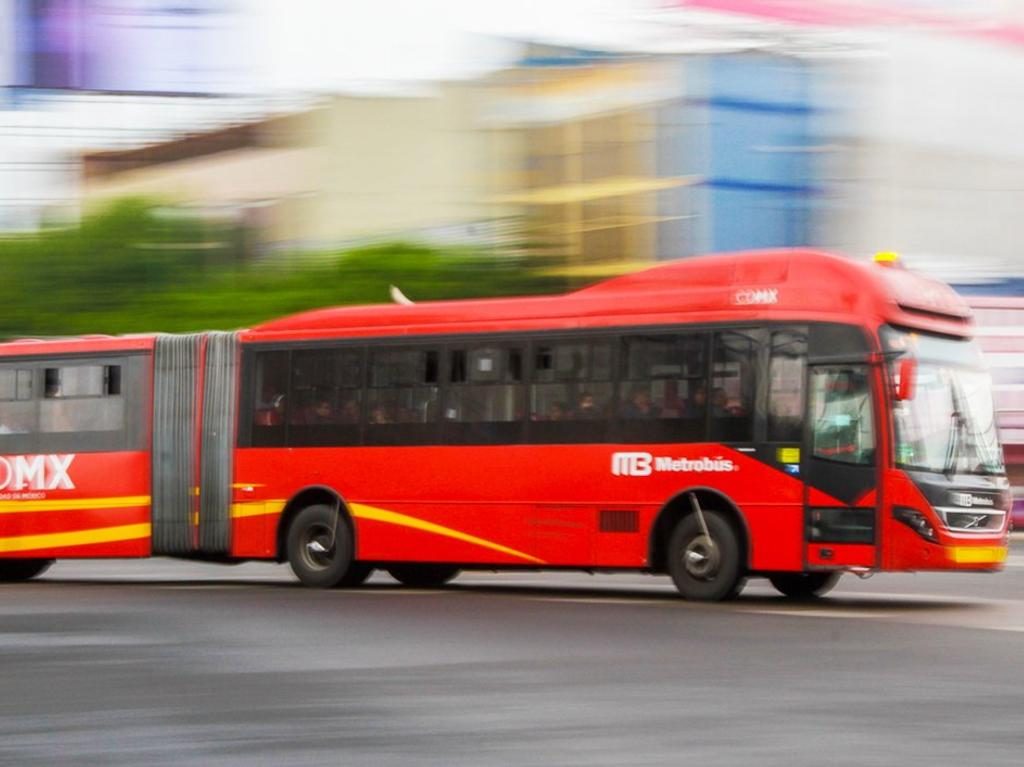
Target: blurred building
x,y
582,157
637,155
927,158
77,75
602,159
352,169
594,161
1000,330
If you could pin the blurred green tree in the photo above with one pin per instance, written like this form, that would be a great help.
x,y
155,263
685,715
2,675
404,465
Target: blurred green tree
x,y
138,267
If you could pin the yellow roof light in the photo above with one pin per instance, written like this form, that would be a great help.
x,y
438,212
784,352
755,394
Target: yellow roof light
x,y
887,257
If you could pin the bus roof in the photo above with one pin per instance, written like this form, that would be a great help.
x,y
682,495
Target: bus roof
x,y
87,344
790,284
785,284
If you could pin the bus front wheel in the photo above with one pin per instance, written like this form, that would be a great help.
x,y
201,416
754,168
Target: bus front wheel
x,y
320,547
12,570
423,576
705,567
804,585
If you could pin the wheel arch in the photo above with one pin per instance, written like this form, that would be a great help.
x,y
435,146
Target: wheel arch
x,y
310,495
678,507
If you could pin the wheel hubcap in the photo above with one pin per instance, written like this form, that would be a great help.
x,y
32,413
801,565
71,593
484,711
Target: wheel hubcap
x,y
701,558
318,548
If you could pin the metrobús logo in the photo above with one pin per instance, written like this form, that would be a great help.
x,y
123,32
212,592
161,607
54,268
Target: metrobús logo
x,y
35,472
644,464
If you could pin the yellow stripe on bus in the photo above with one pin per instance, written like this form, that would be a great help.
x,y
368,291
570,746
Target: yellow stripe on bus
x,y
76,538
256,508
74,504
359,511
975,555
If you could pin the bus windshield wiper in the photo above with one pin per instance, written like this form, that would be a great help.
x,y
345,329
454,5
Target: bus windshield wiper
x,y
960,431
956,422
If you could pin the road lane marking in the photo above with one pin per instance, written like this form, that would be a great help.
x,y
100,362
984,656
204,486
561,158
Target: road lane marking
x,y
819,613
604,600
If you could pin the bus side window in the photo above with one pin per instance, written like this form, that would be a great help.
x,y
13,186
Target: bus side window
x,y
485,400
786,371
270,398
733,386
82,398
571,391
663,394
326,396
403,386
17,408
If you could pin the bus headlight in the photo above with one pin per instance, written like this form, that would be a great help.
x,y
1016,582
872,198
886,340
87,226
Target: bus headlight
x,y
916,521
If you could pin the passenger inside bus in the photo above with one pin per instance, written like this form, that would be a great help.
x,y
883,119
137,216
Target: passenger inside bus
x,y
587,408
271,413
349,412
556,412
322,411
720,407
697,403
640,405
381,414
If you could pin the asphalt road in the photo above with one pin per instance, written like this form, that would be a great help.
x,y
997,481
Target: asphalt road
x,y
160,662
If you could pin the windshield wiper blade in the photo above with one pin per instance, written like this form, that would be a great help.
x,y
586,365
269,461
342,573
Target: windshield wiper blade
x,y
959,428
954,443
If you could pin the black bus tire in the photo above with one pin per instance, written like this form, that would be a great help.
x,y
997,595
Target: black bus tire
x,y
702,570
423,576
804,585
14,570
319,547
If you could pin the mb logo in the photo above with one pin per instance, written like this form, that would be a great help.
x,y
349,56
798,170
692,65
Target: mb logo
x,y
631,464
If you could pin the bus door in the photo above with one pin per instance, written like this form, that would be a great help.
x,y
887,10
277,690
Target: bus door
x,y
839,468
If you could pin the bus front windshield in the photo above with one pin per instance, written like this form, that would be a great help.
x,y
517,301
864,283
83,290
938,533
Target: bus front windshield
x,y
948,425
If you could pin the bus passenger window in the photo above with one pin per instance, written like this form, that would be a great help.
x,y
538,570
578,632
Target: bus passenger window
x,y
485,400
484,386
326,396
571,391
82,398
663,392
571,381
17,409
403,386
270,398
733,386
786,369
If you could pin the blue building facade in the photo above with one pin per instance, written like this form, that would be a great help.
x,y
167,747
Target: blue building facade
x,y
761,184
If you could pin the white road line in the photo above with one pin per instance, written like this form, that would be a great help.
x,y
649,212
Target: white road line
x,y
605,600
819,613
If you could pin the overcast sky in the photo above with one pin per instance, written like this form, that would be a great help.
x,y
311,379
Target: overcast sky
x,y
326,44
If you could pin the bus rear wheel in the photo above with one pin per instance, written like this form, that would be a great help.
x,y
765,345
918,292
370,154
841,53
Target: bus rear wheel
x,y
423,576
319,547
705,568
14,570
804,585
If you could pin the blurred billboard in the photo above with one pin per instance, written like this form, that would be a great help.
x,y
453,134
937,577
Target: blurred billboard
x,y
133,46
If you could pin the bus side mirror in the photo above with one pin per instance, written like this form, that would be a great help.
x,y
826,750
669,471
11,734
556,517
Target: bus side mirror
x,y
907,379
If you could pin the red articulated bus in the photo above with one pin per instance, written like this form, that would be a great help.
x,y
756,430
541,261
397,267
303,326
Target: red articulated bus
x,y
787,414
